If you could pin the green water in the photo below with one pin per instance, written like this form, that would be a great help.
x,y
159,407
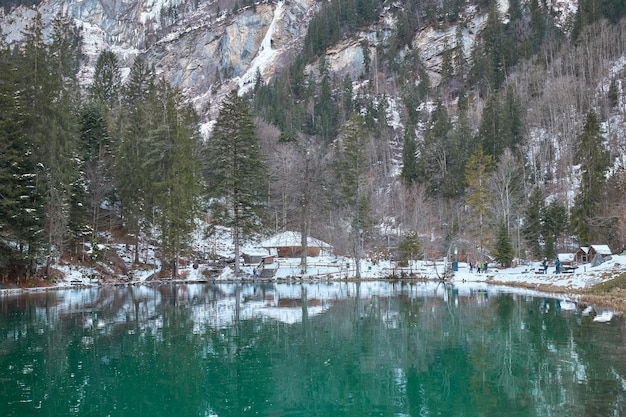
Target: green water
x,y
339,349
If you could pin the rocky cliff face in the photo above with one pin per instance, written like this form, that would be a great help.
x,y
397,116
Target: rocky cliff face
x,y
207,49
192,43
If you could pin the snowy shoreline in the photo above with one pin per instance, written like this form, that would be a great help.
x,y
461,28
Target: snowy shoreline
x,y
523,279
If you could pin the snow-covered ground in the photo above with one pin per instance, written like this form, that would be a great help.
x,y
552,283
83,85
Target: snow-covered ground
x,y
338,268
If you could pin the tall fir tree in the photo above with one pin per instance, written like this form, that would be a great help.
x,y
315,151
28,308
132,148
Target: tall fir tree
x,y
460,65
326,112
236,172
503,248
593,159
554,223
22,197
494,53
351,170
410,171
478,199
490,131
66,214
447,67
439,156
173,156
132,174
533,227
97,162
50,120
36,111
107,80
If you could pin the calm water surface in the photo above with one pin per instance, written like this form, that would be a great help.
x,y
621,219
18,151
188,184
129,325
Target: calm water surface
x,y
340,349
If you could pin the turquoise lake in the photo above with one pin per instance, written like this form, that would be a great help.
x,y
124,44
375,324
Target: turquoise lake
x,y
327,349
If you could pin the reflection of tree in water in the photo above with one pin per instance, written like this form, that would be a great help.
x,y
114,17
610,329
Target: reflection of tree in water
x,y
599,381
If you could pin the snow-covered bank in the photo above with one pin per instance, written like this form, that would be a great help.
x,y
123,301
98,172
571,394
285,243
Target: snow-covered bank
x,y
341,268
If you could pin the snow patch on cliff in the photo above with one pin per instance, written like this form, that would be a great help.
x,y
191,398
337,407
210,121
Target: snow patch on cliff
x,y
266,55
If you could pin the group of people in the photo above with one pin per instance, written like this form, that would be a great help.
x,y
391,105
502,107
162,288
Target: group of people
x,y
557,266
481,267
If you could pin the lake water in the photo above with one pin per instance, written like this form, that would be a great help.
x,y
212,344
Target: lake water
x,y
330,349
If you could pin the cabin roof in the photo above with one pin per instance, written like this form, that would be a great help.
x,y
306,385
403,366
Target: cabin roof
x,y
292,239
602,249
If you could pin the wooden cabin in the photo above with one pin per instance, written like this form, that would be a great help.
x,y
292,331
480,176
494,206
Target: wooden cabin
x,y
582,255
586,254
599,250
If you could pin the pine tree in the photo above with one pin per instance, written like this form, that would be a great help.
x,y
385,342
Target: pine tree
x,y
533,222
588,12
490,131
613,93
347,103
447,68
512,114
437,156
613,10
21,196
99,130
460,65
409,247
409,172
107,83
554,222
97,159
34,101
326,111
235,171
351,170
494,53
501,123
594,162
478,198
65,213
50,122
504,248
133,177
174,142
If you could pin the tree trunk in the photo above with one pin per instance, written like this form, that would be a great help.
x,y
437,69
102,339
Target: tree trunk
x,y
236,241
303,245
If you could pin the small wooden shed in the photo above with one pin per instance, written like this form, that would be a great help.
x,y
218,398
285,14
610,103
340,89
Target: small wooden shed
x,y
582,255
